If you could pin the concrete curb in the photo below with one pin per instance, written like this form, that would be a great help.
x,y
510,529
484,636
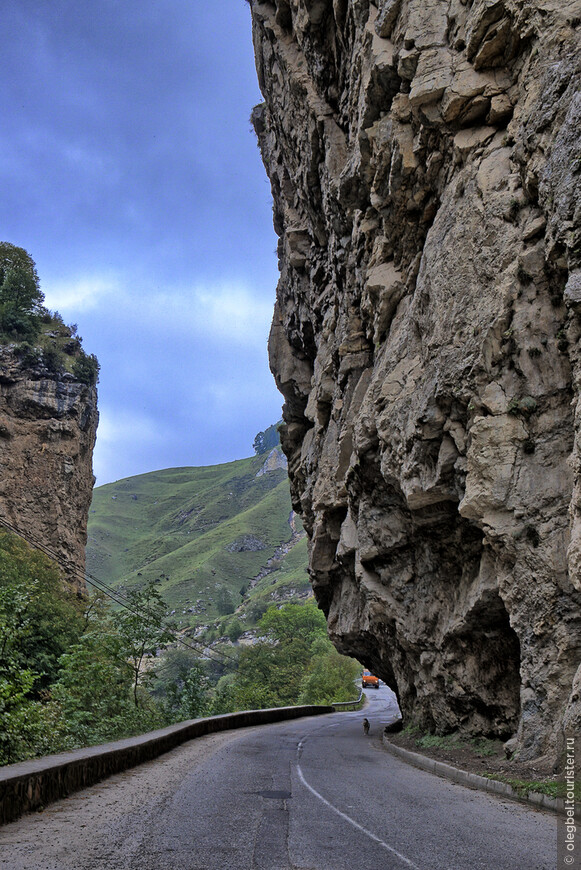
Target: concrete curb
x,y
472,780
31,785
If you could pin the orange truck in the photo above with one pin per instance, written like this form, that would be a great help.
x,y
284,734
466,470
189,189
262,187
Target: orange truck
x,y
367,679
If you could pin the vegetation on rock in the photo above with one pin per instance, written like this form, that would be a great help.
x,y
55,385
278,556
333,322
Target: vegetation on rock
x,y
40,336
267,440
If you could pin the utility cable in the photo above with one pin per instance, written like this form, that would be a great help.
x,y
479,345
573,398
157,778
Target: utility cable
x,y
117,596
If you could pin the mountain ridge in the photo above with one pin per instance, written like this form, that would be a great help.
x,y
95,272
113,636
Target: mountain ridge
x,y
218,541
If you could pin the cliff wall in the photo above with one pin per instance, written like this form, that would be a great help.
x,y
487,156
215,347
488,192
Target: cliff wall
x,y
48,423
424,158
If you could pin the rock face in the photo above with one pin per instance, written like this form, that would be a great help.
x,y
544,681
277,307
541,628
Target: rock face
x,y
47,434
424,157
275,460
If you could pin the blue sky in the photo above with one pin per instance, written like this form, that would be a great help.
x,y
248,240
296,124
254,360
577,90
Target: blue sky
x,y
130,173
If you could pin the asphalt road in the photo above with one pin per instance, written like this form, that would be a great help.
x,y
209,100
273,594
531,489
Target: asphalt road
x,y
312,794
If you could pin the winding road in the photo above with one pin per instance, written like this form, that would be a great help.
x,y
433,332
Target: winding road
x,y
310,794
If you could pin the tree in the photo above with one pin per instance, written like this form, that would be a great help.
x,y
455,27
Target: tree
x,y
38,621
143,630
224,602
294,663
294,621
21,298
50,617
94,687
270,673
15,258
266,440
182,685
96,692
86,368
187,696
234,629
15,681
224,700
331,676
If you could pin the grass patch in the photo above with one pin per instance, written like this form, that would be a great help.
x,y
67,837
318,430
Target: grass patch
x,y
523,786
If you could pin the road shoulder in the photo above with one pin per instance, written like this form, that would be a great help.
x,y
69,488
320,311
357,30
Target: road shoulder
x,y
471,779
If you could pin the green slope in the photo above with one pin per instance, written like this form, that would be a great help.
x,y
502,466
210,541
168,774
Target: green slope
x,y
204,535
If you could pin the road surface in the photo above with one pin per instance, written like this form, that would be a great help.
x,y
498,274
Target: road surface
x,y
311,794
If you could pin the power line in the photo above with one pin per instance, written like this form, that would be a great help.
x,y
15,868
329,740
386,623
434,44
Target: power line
x,y
117,596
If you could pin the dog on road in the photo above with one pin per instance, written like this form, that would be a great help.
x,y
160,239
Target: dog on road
x,y
366,726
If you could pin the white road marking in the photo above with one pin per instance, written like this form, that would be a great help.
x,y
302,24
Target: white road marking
x,y
349,819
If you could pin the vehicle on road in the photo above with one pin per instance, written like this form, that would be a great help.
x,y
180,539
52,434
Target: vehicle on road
x,y
368,679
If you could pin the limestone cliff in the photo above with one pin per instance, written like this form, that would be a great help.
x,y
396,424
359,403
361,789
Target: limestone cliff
x,y
424,157
47,433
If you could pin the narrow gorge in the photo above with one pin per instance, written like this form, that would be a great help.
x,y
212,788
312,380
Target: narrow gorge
x,y
424,158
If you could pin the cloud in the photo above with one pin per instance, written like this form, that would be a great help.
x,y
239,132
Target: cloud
x,y
114,425
126,438
82,294
227,311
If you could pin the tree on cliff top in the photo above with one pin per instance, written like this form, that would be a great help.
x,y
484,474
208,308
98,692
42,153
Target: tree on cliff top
x,y
266,440
20,295
42,335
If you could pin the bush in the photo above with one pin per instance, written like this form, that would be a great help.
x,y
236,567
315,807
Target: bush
x,y
234,629
86,368
53,360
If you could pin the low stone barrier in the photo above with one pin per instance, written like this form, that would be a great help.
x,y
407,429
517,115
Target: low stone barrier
x,y
31,785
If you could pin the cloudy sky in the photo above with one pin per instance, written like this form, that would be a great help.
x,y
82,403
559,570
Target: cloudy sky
x,y
130,173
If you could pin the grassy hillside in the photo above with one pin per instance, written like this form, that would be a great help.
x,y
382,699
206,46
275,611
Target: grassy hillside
x,y
214,539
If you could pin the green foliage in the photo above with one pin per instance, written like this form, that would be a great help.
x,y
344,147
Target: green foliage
x,y
44,617
15,259
143,631
234,629
38,621
294,663
53,360
28,354
224,602
224,700
16,682
331,676
86,368
187,695
72,676
294,622
77,673
43,335
267,440
94,688
20,295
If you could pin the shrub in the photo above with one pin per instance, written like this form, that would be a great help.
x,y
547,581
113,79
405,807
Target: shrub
x,y
86,369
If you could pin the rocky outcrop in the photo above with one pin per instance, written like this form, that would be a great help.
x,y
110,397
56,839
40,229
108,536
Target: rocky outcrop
x,y
425,159
275,460
48,423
